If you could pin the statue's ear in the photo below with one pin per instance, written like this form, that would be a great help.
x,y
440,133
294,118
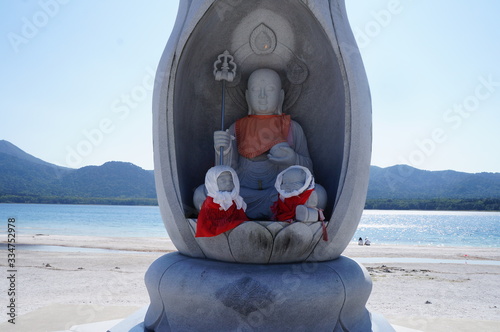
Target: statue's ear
x,y
282,100
250,110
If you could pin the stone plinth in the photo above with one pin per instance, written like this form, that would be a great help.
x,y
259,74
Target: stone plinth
x,y
191,294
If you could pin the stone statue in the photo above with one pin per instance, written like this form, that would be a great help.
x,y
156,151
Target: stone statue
x,y
262,144
297,198
254,277
223,208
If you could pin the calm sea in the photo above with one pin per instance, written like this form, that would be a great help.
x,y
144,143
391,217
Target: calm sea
x,y
446,228
85,220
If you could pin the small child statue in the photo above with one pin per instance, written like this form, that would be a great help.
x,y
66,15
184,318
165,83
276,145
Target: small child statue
x,y
224,208
297,198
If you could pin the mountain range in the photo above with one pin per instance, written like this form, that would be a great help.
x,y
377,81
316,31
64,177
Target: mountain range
x,y
25,178
405,182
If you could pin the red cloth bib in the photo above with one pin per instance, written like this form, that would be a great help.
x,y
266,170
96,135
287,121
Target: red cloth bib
x,y
257,134
285,210
213,221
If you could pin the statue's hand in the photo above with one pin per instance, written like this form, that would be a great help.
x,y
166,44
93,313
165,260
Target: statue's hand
x,y
282,154
221,139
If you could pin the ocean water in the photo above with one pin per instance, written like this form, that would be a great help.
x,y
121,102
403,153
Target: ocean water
x,y
439,228
84,220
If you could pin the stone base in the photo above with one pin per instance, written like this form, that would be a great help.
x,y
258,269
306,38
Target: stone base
x,y
191,294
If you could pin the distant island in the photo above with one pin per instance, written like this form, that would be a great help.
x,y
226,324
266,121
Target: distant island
x,y
27,179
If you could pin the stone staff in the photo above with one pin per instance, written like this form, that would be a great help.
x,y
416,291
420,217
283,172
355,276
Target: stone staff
x,y
224,70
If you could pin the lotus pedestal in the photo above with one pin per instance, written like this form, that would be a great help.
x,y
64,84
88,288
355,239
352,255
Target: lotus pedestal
x,y
191,294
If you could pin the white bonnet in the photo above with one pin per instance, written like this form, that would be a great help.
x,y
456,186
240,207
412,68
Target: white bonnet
x,y
308,184
224,198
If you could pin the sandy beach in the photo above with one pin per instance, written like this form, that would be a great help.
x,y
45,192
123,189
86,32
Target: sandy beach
x,y
416,295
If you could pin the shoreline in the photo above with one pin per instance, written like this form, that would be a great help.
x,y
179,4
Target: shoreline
x,y
401,291
142,244
353,250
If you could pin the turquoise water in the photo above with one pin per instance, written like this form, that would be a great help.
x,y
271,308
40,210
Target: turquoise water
x,y
85,220
447,228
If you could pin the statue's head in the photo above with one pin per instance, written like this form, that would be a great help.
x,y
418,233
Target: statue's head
x,y
264,93
223,185
221,178
225,181
294,181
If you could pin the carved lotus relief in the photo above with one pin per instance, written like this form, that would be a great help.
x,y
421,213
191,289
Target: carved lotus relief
x,y
262,242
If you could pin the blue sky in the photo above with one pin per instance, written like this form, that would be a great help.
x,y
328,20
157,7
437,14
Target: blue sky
x,y
78,74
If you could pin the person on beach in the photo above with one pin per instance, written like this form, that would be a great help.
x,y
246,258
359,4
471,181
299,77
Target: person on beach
x,y
223,208
360,241
297,198
367,242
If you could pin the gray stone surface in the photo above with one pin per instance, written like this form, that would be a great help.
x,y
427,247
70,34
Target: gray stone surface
x,y
190,294
292,244
251,235
310,44
262,242
134,323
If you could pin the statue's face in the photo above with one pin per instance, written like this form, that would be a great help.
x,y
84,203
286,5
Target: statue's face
x,y
292,180
225,181
264,92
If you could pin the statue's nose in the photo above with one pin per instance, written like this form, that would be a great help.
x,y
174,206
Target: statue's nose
x,y
262,93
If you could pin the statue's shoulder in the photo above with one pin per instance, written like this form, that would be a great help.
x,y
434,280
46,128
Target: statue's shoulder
x,y
295,125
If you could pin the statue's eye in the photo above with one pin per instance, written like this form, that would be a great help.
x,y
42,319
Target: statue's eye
x,y
270,88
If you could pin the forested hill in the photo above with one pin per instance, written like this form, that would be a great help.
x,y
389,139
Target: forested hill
x,y
405,187
27,179
406,182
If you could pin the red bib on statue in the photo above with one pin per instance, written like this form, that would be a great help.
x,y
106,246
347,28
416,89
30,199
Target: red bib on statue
x,y
213,220
284,210
257,134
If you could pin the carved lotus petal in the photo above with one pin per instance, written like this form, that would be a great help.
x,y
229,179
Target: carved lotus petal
x,y
216,247
273,226
293,243
316,229
251,243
